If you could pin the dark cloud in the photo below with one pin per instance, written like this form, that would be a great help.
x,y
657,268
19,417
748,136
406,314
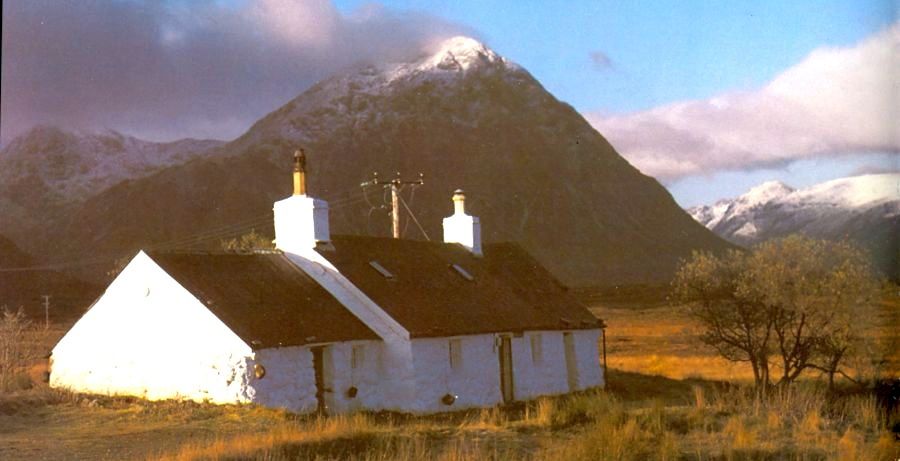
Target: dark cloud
x,y
876,169
601,60
165,70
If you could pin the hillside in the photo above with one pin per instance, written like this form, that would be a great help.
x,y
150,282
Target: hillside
x,y
48,170
534,170
22,284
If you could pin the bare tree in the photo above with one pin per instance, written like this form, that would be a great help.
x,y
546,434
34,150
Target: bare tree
x,y
737,326
819,294
792,303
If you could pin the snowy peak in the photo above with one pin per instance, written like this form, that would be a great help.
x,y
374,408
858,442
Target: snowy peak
x,y
711,215
765,192
460,54
865,209
449,73
74,165
855,192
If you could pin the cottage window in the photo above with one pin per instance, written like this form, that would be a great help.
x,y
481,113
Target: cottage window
x,y
455,354
357,356
537,351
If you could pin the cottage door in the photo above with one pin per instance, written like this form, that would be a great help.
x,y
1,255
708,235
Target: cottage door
x,y
506,370
322,368
571,362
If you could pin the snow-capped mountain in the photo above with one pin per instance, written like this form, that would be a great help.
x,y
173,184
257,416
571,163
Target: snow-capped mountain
x,y
534,171
76,165
711,215
49,168
360,94
861,208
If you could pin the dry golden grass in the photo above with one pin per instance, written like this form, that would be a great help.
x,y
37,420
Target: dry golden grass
x,y
638,417
319,430
660,339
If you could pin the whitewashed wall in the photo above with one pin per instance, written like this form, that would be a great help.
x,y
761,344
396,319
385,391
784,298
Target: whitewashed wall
x,y
476,382
548,376
289,382
148,336
590,374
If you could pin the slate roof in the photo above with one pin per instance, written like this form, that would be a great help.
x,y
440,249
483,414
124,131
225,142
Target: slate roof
x,y
509,290
264,298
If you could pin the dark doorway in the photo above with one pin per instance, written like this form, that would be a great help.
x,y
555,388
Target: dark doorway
x,y
571,361
323,382
506,370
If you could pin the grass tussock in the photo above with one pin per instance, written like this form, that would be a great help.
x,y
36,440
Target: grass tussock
x,y
638,417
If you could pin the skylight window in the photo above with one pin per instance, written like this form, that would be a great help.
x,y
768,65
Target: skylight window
x,y
462,272
381,270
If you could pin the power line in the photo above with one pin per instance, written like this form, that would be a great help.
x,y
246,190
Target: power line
x,y
413,216
56,266
394,186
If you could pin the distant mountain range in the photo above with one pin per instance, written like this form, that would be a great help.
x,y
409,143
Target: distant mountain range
x,y
48,168
533,169
864,209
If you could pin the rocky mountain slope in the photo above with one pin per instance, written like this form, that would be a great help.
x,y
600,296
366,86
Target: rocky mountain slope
x,y
48,169
534,170
865,209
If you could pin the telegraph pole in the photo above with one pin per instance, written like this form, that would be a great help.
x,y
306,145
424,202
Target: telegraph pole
x,y
46,311
395,207
395,185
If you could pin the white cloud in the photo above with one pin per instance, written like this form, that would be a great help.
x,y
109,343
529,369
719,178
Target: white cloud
x,y
835,101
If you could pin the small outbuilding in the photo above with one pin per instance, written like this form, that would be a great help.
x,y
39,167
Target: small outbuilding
x,y
336,323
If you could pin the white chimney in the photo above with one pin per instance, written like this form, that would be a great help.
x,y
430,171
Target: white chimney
x,y
462,228
300,221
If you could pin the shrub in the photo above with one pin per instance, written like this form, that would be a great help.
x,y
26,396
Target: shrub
x,y
18,350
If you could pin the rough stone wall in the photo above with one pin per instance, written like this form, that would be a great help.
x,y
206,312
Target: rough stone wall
x,y
475,382
289,380
147,336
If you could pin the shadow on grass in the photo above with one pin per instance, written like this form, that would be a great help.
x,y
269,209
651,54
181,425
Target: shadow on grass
x,y
637,387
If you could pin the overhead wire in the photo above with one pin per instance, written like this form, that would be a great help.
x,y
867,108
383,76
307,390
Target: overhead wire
x,y
413,217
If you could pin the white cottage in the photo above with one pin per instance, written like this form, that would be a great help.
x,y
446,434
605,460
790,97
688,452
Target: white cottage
x,y
336,323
